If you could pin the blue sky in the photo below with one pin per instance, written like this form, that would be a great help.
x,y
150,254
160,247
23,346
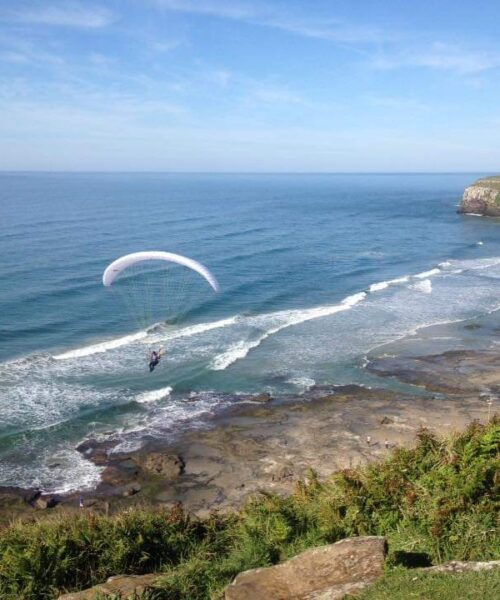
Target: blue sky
x,y
250,85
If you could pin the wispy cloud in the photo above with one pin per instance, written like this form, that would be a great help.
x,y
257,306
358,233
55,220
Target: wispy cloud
x,y
16,50
272,94
396,103
265,15
442,57
68,14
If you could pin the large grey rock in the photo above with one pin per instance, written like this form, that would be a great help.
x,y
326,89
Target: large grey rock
x,y
124,586
324,573
459,566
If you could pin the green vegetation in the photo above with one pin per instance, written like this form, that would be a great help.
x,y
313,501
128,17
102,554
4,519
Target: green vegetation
x,y
435,502
419,585
491,182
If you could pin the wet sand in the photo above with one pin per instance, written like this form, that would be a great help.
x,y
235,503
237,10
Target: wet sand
x,y
271,443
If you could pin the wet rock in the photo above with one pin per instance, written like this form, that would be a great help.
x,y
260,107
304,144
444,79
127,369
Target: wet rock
x,y
96,451
44,502
327,572
126,587
113,476
264,397
33,496
131,489
169,466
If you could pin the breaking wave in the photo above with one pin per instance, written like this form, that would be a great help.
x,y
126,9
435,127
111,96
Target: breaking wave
x,y
424,286
154,395
382,285
285,319
102,346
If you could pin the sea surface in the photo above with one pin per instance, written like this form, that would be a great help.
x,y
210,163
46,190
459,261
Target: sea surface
x,y
315,272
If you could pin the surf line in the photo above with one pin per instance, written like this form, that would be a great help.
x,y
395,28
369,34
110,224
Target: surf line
x,y
239,349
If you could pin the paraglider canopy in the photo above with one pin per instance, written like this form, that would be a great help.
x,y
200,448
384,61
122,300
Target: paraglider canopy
x,y
122,263
157,287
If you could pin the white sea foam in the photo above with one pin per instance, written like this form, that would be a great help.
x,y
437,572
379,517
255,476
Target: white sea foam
x,y
426,274
303,383
145,337
154,395
424,286
349,301
102,346
382,285
199,328
61,471
285,319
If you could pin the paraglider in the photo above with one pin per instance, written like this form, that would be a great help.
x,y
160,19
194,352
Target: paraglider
x,y
157,284
116,267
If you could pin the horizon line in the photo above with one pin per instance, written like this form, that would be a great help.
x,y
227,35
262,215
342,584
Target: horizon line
x,y
196,172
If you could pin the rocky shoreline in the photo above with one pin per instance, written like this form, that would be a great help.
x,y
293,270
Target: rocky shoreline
x,y
271,443
482,198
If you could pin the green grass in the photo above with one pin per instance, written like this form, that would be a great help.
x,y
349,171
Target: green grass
x,y
405,584
436,502
492,182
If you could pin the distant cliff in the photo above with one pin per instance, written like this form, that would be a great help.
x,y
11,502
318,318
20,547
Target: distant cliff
x,y
482,197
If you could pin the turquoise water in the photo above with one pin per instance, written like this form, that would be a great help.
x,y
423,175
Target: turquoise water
x,y
306,266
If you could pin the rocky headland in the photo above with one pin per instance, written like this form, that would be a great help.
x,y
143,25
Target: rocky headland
x,y
482,198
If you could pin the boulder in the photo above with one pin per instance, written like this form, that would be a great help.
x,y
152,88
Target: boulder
x,y
169,466
459,566
131,489
123,586
44,502
324,573
264,397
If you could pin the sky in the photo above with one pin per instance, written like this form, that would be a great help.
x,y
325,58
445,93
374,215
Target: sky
x,y
250,85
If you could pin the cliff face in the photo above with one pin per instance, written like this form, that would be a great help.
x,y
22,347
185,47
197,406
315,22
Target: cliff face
x,y
482,198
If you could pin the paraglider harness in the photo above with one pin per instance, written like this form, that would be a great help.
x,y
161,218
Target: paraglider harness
x,y
154,359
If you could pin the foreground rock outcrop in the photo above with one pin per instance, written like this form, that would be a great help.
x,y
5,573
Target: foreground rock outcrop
x,y
124,586
324,573
459,566
482,198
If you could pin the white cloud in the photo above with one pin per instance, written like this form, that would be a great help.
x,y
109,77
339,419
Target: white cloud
x,y
69,14
442,57
271,94
266,16
23,52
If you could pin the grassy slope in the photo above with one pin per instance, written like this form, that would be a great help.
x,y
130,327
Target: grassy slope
x,y
418,585
491,182
436,502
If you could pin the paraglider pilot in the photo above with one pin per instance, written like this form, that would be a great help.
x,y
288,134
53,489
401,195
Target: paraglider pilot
x,y
154,359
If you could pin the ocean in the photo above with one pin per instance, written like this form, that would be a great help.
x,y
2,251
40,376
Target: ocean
x,y
315,272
